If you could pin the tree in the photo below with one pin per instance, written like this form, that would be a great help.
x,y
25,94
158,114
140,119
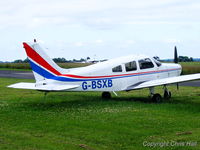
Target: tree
x,y
59,60
18,61
185,59
26,60
81,60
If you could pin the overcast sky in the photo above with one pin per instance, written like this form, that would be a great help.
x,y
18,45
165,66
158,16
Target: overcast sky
x,y
100,28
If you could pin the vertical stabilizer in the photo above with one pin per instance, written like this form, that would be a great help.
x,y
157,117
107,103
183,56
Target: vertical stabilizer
x,y
42,65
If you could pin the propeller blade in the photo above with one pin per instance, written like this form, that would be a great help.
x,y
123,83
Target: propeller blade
x,y
175,55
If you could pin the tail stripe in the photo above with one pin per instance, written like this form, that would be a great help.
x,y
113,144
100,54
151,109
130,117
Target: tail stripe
x,y
38,59
49,75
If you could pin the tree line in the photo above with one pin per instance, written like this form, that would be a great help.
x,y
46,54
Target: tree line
x,y
180,59
185,59
57,60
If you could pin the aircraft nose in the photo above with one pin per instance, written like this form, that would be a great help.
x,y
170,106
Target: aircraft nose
x,y
178,66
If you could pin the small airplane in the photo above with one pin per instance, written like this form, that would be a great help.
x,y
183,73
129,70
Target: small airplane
x,y
120,74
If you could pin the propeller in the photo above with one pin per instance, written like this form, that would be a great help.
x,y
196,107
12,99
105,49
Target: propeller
x,y
175,55
176,62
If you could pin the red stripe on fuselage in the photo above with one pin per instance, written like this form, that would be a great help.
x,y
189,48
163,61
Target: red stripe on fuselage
x,y
37,58
86,77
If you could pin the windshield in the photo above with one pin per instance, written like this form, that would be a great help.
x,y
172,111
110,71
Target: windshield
x,y
157,62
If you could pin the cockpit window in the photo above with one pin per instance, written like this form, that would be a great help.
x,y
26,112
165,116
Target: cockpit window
x,y
131,66
117,69
157,63
145,63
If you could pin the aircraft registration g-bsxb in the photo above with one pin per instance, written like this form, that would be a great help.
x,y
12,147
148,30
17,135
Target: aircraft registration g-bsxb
x,y
120,74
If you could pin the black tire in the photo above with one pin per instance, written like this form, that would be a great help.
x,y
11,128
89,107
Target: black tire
x,y
157,98
106,95
167,95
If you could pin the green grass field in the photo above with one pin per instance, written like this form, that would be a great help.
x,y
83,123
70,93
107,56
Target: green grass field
x,y
82,120
190,67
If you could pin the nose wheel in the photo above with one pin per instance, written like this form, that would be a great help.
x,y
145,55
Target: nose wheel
x,y
167,93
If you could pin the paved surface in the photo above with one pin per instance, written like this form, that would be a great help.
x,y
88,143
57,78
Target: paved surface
x,y
16,74
29,75
195,83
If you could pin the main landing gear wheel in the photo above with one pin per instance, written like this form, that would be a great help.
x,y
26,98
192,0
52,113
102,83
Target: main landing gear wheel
x,y
106,95
167,94
156,98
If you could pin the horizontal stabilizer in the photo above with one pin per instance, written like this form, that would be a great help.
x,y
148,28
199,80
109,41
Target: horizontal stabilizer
x,y
50,87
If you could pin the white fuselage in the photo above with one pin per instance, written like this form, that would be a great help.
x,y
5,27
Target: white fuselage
x,y
118,74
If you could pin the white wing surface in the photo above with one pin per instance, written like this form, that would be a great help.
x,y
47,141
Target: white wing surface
x,y
50,87
165,81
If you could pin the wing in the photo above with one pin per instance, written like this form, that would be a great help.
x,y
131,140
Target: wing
x,y
51,87
165,81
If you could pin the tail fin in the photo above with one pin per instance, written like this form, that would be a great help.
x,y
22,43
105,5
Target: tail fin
x,y
43,67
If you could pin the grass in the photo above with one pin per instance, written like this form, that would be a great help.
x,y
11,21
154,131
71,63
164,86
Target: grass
x,y
20,66
190,67
82,120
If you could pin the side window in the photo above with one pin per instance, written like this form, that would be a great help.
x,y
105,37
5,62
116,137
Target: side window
x,y
131,66
145,63
117,69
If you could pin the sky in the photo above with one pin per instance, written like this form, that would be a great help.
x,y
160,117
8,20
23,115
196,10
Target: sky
x,y
100,29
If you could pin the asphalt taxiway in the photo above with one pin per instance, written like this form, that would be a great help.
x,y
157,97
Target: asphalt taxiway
x,y
16,74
